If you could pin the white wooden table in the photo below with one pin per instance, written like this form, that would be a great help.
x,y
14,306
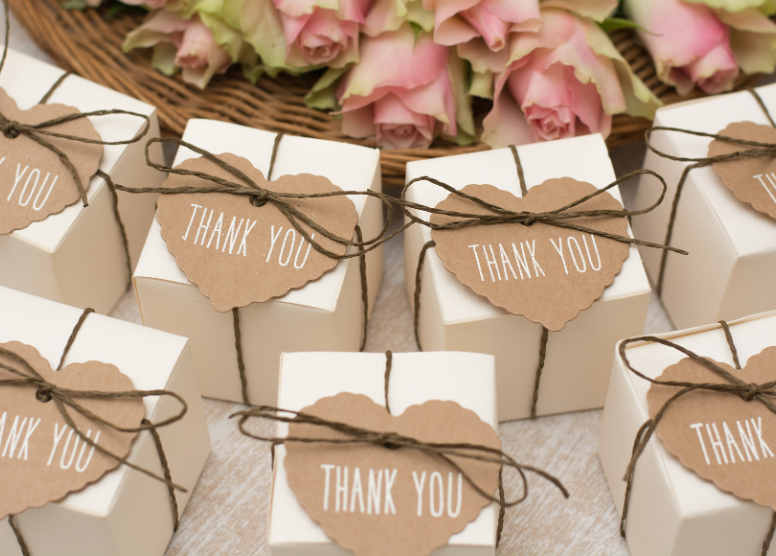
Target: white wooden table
x,y
228,512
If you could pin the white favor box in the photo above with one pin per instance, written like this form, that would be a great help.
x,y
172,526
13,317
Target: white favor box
x,y
77,257
729,271
465,378
324,315
126,513
672,510
453,317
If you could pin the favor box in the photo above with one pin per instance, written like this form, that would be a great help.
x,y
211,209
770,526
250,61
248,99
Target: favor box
x,y
324,315
126,512
453,317
77,256
465,378
732,247
672,510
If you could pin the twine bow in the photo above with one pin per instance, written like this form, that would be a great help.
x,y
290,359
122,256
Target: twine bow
x,y
66,398
561,217
748,392
393,441
242,184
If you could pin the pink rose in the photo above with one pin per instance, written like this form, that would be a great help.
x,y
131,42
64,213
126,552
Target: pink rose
x,y
318,32
689,44
459,21
563,80
402,91
181,43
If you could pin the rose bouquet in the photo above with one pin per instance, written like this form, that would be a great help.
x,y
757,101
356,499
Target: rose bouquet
x,y
405,71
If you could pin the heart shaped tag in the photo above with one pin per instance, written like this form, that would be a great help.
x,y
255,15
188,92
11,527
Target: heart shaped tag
x,y
546,273
752,180
375,501
34,182
238,253
41,458
721,437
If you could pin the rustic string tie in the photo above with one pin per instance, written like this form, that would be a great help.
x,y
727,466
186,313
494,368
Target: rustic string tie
x,y
757,149
749,392
241,184
445,451
562,217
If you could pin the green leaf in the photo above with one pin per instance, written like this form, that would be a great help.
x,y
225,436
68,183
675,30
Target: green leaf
x,y
417,29
612,24
323,94
117,8
74,4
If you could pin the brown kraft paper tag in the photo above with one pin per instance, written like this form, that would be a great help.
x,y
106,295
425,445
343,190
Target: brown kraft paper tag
x,y
752,180
375,501
34,182
546,273
41,458
237,253
721,437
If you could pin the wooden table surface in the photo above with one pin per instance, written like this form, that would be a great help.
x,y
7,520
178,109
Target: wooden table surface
x,y
228,512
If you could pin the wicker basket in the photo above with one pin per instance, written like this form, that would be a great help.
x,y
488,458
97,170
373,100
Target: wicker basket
x,y
89,44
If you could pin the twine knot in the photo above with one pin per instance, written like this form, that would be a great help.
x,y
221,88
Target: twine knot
x,y
11,129
45,393
260,199
752,391
528,220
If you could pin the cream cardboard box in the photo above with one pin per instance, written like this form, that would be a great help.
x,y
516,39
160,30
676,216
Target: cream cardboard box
x,y
672,510
77,257
465,378
126,512
728,273
324,315
453,317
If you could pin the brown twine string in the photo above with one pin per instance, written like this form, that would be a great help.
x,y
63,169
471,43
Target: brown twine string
x,y
54,87
520,174
364,286
167,473
393,441
73,334
387,378
558,217
539,367
240,361
757,150
255,201
65,397
19,537
545,333
734,386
